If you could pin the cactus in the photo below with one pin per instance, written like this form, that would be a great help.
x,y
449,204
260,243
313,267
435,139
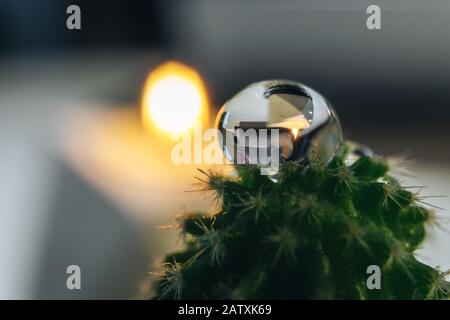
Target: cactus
x,y
311,235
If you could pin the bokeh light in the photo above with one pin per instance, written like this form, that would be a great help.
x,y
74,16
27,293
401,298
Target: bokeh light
x,y
174,98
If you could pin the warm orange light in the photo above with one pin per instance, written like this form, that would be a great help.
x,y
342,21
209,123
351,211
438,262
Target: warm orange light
x,y
174,98
295,132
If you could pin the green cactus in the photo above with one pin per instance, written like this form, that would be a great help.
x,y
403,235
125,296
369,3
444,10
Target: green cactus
x,y
311,235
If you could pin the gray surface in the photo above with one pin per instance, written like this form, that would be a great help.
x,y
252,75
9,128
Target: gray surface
x,y
49,216
85,229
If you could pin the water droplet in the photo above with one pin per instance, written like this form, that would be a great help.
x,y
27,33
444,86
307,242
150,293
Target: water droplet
x,y
307,124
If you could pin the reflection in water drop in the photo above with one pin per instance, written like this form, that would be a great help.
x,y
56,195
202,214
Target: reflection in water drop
x,y
306,122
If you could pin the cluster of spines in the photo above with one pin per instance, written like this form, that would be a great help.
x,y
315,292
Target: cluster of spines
x,y
310,235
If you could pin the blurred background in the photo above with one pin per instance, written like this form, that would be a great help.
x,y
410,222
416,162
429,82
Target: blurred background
x,y
81,182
